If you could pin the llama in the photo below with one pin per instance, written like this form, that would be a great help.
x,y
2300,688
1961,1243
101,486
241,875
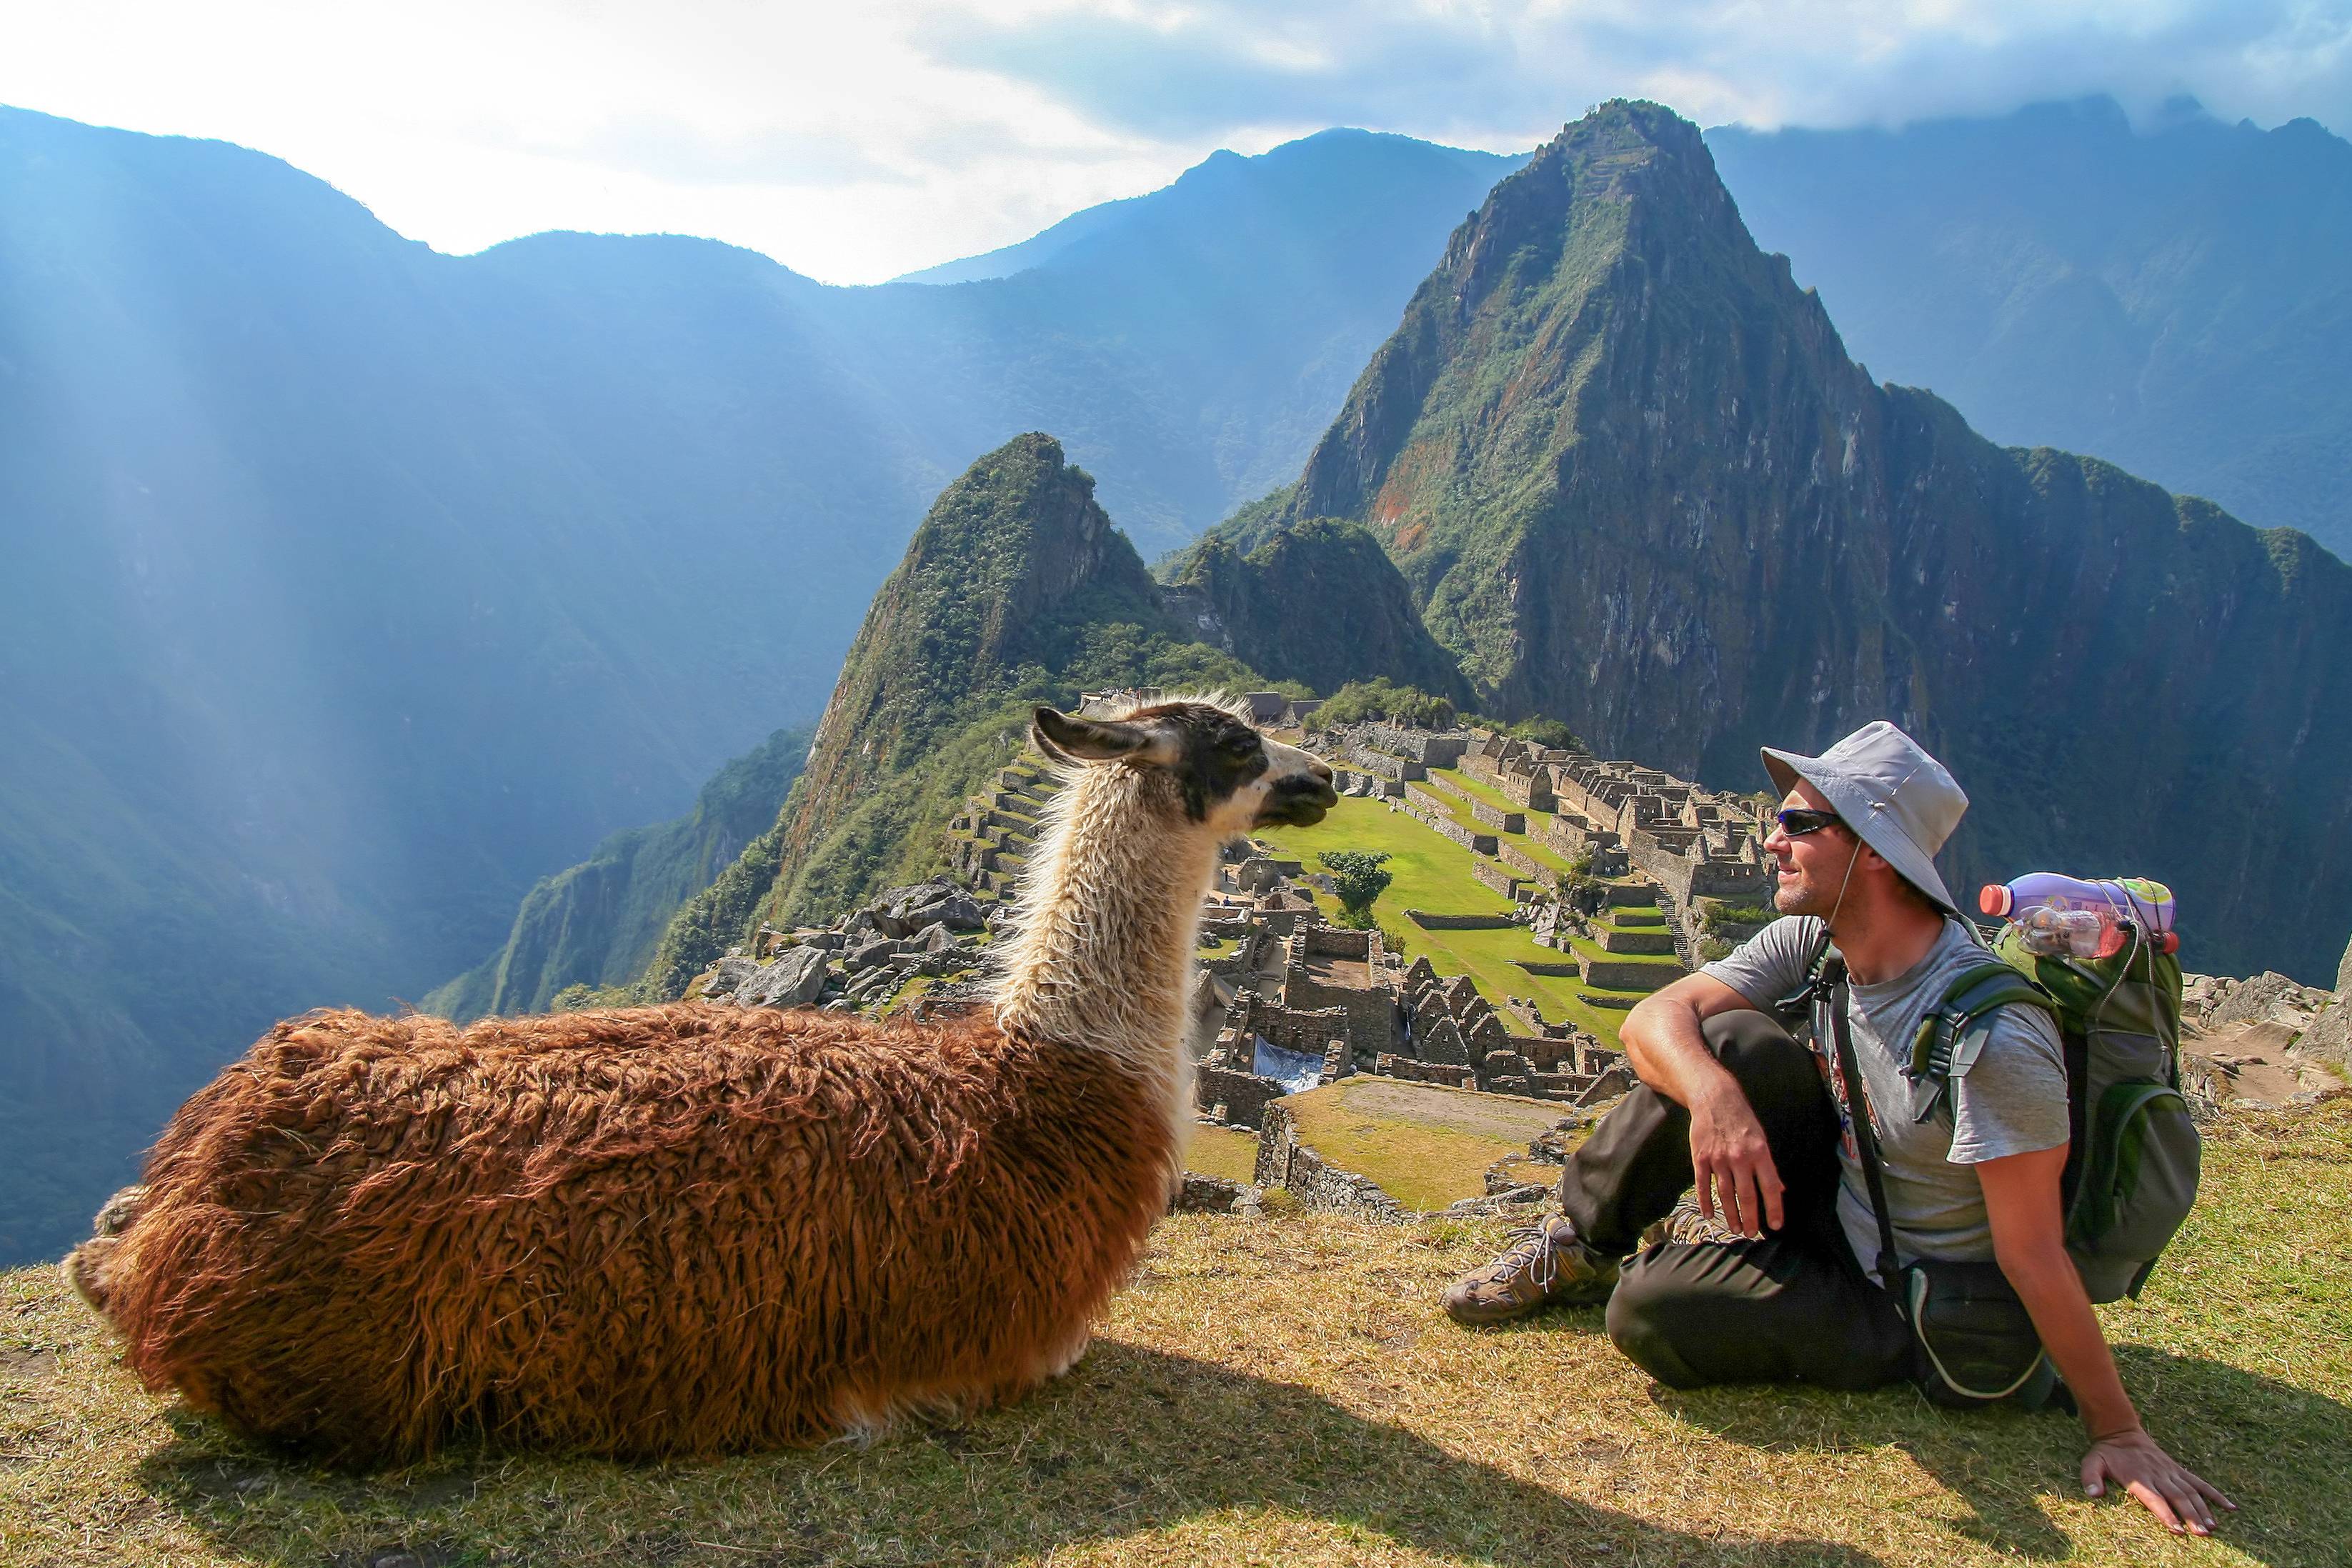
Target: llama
x,y
687,1228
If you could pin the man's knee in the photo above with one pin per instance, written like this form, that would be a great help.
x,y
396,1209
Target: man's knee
x,y
1650,1312
1765,1058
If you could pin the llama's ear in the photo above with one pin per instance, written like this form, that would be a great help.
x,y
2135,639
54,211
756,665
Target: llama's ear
x,y
1066,739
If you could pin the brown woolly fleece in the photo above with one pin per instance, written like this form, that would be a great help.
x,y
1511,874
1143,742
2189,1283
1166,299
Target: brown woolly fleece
x,y
662,1230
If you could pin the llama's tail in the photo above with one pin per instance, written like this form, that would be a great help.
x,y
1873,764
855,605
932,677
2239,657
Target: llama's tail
x,y
86,1266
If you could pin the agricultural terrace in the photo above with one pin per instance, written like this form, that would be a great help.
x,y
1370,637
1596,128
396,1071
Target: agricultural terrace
x,y
1432,872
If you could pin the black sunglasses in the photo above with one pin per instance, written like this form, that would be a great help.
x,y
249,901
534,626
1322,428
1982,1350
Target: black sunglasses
x,y
1796,822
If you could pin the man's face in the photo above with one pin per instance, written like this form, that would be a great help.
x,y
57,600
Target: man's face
x,y
1812,866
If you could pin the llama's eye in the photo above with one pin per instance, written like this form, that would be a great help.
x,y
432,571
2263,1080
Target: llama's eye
x,y
1241,744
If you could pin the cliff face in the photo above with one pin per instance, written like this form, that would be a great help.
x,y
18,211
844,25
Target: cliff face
x,y
1318,602
2170,296
1635,483
597,923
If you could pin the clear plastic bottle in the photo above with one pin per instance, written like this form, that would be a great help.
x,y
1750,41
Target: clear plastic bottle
x,y
2057,914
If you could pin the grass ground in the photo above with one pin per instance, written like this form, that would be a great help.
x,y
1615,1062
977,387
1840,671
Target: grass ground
x,y
1432,872
1425,1144
1287,1392
1221,1152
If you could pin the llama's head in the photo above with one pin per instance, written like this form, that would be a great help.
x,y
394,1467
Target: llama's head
x,y
1197,761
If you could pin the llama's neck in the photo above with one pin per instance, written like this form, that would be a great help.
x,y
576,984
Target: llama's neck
x,y
1109,919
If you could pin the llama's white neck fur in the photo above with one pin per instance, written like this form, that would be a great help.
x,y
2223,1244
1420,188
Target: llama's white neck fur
x,y
1107,926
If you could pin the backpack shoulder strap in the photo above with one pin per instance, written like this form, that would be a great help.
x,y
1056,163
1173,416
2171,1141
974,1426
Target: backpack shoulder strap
x,y
1814,989
1952,1034
1866,1136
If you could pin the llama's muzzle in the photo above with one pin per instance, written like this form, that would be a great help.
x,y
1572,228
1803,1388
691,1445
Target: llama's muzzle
x,y
1299,800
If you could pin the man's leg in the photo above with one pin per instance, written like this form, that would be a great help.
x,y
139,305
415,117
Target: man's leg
x,y
1637,1164
1780,1310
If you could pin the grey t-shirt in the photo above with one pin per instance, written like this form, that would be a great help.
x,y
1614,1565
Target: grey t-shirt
x,y
2012,1102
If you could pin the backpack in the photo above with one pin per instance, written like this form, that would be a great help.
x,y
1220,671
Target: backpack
x,y
2133,1154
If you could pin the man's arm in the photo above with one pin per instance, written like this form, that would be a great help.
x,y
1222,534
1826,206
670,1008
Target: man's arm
x,y
1731,1166
2028,1239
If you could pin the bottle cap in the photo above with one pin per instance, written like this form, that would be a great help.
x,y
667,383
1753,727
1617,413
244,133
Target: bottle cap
x,y
1994,899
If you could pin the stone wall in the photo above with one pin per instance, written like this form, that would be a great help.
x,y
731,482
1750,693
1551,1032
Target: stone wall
x,y
1526,865
1497,818
1452,1076
1495,876
1428,921
1285,1162
1245,1096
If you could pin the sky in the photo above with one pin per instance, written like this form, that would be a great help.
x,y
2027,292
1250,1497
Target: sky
x,y
853,142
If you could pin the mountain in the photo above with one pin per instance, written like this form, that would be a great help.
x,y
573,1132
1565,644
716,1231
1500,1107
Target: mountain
x,y
2172,298
1636,484
597,924
348,590
1363,191
1015,590
1317,603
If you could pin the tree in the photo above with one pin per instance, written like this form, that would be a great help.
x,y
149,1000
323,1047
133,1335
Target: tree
x,y
1358,876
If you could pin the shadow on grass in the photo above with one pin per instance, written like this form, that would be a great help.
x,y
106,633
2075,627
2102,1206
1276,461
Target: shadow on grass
x,y
1133,1441
2277,1451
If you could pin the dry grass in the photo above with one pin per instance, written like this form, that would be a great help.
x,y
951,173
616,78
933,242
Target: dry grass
x,y
1286,1392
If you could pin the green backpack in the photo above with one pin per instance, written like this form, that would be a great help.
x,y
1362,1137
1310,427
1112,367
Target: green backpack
x,y
2134,1155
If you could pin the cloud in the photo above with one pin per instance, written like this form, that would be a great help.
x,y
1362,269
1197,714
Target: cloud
x,y
1488,74
856,143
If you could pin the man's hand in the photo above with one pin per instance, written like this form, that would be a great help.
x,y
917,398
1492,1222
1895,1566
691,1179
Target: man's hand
x,y
1731,1166
2179,1499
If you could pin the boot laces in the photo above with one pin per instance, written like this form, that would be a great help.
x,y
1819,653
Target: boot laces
x,y
1532,1250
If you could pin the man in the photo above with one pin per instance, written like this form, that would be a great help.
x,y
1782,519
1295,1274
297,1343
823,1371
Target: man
x,y
1731,1104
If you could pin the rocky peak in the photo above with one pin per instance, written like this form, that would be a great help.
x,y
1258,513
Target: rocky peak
x,y
1635,483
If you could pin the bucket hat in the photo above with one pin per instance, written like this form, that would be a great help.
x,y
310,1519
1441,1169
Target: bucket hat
x,y
1881,782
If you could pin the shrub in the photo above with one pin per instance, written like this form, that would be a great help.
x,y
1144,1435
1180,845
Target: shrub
x,y
1357,879
1360,700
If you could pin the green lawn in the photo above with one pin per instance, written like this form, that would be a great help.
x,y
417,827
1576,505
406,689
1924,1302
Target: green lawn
x,y
1221,1152
1427,1146
1432,872
1532,841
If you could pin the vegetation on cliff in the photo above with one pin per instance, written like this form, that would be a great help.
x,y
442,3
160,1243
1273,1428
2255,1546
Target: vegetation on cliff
x,y
1317,603
596,924
2169,295
1015,590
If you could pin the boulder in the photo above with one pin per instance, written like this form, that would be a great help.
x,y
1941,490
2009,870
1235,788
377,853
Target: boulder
x,y
2329,1037
793,980
730,977
933,938
958,911
864,955
2251,1000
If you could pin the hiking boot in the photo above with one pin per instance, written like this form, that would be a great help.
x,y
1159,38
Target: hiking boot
x,y
1687,1227
1547,1263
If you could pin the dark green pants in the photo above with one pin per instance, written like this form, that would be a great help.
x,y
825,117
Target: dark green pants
x,y
1793,1307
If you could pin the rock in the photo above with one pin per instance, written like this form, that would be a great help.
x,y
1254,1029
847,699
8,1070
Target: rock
x,y
958,912
933,938
866,955
2253,999
793,980
2329,1037
1517,1198
730,977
